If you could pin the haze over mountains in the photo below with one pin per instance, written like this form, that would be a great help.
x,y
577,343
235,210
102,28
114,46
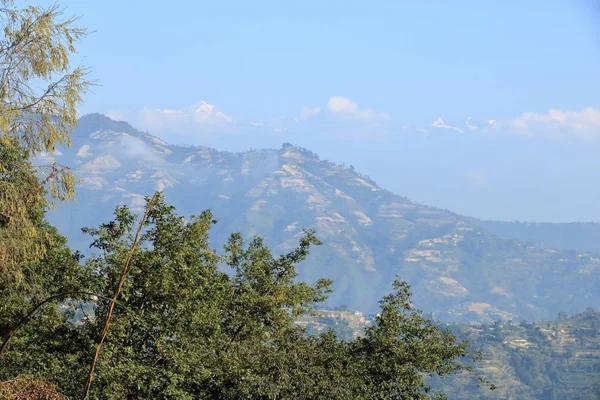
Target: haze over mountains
x,y
459,268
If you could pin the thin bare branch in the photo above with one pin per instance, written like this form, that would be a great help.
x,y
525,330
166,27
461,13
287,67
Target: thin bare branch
x,y
111,307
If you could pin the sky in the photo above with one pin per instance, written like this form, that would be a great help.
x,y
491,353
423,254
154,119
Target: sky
x,y
489,109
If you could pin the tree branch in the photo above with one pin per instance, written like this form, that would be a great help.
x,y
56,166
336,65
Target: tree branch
x,y
111,307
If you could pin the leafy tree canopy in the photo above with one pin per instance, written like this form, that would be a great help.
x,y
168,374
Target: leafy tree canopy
x,y
39,93
192,323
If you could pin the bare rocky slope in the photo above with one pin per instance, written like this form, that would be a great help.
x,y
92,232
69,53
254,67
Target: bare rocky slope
x,y
457,270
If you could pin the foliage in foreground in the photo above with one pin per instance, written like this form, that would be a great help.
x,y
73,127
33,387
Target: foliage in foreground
x,y
191,323
39,95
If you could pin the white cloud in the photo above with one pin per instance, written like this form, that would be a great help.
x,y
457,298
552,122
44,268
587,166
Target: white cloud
x,y
558,123
135,148
307,112
439,123
344,106
202,115
84,151
102,163
205,120
468,124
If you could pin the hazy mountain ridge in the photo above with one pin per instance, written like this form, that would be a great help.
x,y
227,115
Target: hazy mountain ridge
x,y
579,236
457,269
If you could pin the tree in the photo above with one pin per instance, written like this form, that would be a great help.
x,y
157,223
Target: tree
x,y
198,331
402,346
37,286
39,93
37,279
183,328
20,236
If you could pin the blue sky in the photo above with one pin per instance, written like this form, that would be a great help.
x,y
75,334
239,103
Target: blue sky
x,y
487,108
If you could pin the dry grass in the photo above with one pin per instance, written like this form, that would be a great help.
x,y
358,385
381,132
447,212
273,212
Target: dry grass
x,y
29,388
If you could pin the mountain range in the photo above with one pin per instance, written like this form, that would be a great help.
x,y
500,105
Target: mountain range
x,y
460,268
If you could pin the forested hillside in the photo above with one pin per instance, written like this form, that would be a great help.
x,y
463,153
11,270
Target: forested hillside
x,y
545,360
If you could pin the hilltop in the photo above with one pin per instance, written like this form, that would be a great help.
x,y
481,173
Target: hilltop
x,y
458,270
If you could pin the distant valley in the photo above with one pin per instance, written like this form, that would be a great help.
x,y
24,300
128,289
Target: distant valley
x,y
557,359
576,236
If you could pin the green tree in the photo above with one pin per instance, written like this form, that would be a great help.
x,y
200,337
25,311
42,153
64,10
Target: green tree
x,y
20,235
198,331
184,328
402,347
37,279
39,93
37,285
